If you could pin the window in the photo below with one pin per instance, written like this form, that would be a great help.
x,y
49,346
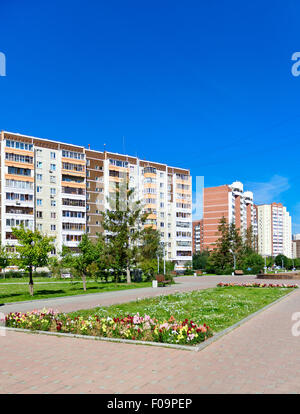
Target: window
x,y
52,179
119,163
39,177
52,155
38,202
39,214
39,189
19,184
53,203
71,154
162,205
52,191
53,227
19,171
20,145
39,226
18,158
53,167
39,164
53,215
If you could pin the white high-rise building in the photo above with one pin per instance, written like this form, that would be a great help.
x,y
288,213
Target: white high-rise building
x,y
60,189
274,230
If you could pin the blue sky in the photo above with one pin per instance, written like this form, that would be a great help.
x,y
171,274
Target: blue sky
x,y
201,85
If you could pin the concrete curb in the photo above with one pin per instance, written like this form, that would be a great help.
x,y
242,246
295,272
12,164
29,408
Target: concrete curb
x,y
195,348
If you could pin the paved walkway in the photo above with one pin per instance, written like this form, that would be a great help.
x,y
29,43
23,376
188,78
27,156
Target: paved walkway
x,y
261,356
92,300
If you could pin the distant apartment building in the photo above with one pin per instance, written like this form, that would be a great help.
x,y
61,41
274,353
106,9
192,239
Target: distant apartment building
x,y
231,202
60,189
197,236
274,230
296,246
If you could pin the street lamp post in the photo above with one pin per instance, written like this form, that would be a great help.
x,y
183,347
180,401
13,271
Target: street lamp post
x,y
265,264
234,258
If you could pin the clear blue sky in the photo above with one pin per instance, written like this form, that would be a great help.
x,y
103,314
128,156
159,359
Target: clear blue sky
x,y
197,84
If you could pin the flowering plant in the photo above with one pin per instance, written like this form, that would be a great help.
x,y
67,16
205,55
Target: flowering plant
x,y
134,327
259,285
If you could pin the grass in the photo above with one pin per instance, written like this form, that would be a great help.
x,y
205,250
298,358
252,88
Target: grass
x,y
218,307
19,292
25,280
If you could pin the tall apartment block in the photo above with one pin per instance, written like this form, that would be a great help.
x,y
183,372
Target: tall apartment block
x,y
296,246
197,236
231,202
274,230
60,189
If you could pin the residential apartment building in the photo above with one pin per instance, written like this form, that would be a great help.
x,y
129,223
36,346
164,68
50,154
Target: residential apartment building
x,y
274,230
197,236
296,246
60,189
231,202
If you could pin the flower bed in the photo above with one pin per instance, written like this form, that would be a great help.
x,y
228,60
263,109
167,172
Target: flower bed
x,y
131,327
258,285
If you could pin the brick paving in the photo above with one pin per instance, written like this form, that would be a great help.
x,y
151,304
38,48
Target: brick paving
x,y
261,356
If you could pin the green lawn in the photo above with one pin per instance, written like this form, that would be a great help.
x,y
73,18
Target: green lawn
x,y
218,307
25,280
19,292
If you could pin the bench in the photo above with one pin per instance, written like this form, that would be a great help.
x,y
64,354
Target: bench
x,y
238,272
161,279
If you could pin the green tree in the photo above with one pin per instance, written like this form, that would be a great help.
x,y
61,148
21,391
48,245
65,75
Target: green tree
x,y
252,261
123,225
149,250
221,257
149,268
282,259
200,260
250,241
4,258
150,246
88,254
55,266
32,250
